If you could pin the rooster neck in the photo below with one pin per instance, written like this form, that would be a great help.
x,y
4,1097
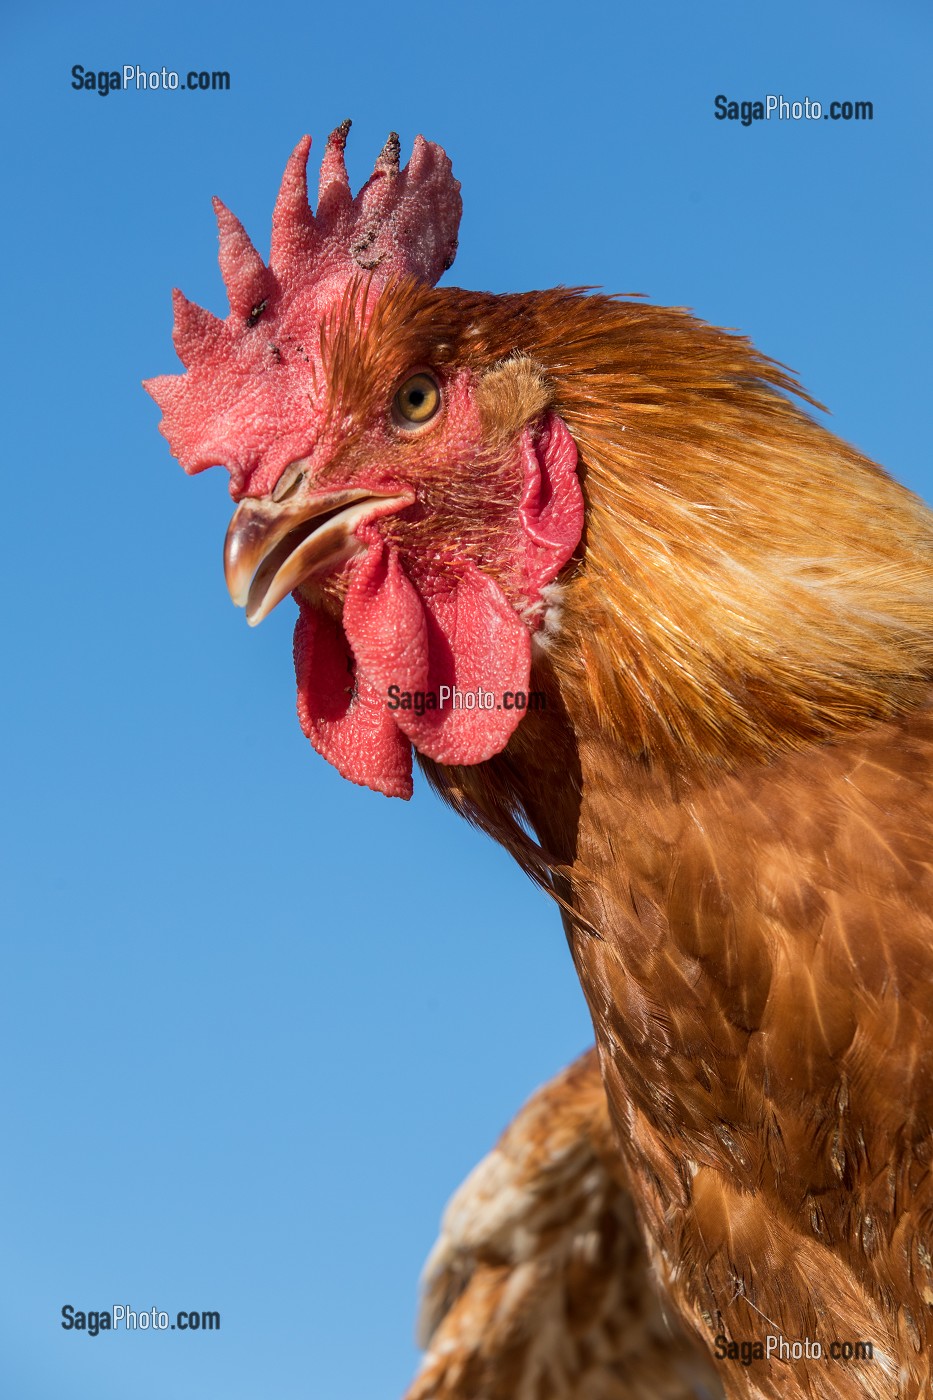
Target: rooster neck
x,y
732,789
713,892
761,989
761,995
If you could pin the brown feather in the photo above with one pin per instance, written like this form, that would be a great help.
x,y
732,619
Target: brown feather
x,y
539,1287
732,786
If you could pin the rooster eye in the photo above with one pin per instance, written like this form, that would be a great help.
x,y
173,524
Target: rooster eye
x,y
417,401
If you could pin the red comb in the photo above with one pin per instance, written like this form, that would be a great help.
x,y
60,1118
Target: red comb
x,y
247,399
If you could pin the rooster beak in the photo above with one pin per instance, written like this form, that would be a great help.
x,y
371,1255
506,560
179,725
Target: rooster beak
x,y
277,542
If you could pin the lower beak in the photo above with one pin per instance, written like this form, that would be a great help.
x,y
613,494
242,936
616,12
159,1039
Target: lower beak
x,y
272,547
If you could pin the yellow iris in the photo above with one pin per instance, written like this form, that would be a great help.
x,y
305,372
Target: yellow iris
x,y
417,401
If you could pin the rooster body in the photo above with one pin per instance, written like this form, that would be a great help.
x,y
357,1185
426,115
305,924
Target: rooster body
x,y
760,985
539,1285
729,613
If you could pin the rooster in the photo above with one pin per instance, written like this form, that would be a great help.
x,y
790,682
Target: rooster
x,y
725,616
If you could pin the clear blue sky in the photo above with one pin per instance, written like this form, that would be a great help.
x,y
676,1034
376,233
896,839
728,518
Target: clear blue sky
x,y
257,1023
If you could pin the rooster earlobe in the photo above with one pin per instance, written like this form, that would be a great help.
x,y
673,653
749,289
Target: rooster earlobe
x,y
552,509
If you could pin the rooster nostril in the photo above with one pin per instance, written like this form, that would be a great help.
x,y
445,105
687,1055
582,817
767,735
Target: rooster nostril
x,y
286,485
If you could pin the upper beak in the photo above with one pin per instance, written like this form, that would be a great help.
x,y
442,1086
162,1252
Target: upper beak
x,y
274,545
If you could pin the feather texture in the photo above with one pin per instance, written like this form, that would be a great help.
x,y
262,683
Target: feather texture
x,y
538,1287
731,786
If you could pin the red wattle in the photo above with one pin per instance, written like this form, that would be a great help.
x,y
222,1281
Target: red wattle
x,y
341,712
455,640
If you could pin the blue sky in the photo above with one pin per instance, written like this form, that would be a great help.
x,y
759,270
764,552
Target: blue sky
x,y
257,1023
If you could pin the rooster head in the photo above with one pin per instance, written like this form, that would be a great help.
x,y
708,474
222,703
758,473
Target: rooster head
x,y
417,501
